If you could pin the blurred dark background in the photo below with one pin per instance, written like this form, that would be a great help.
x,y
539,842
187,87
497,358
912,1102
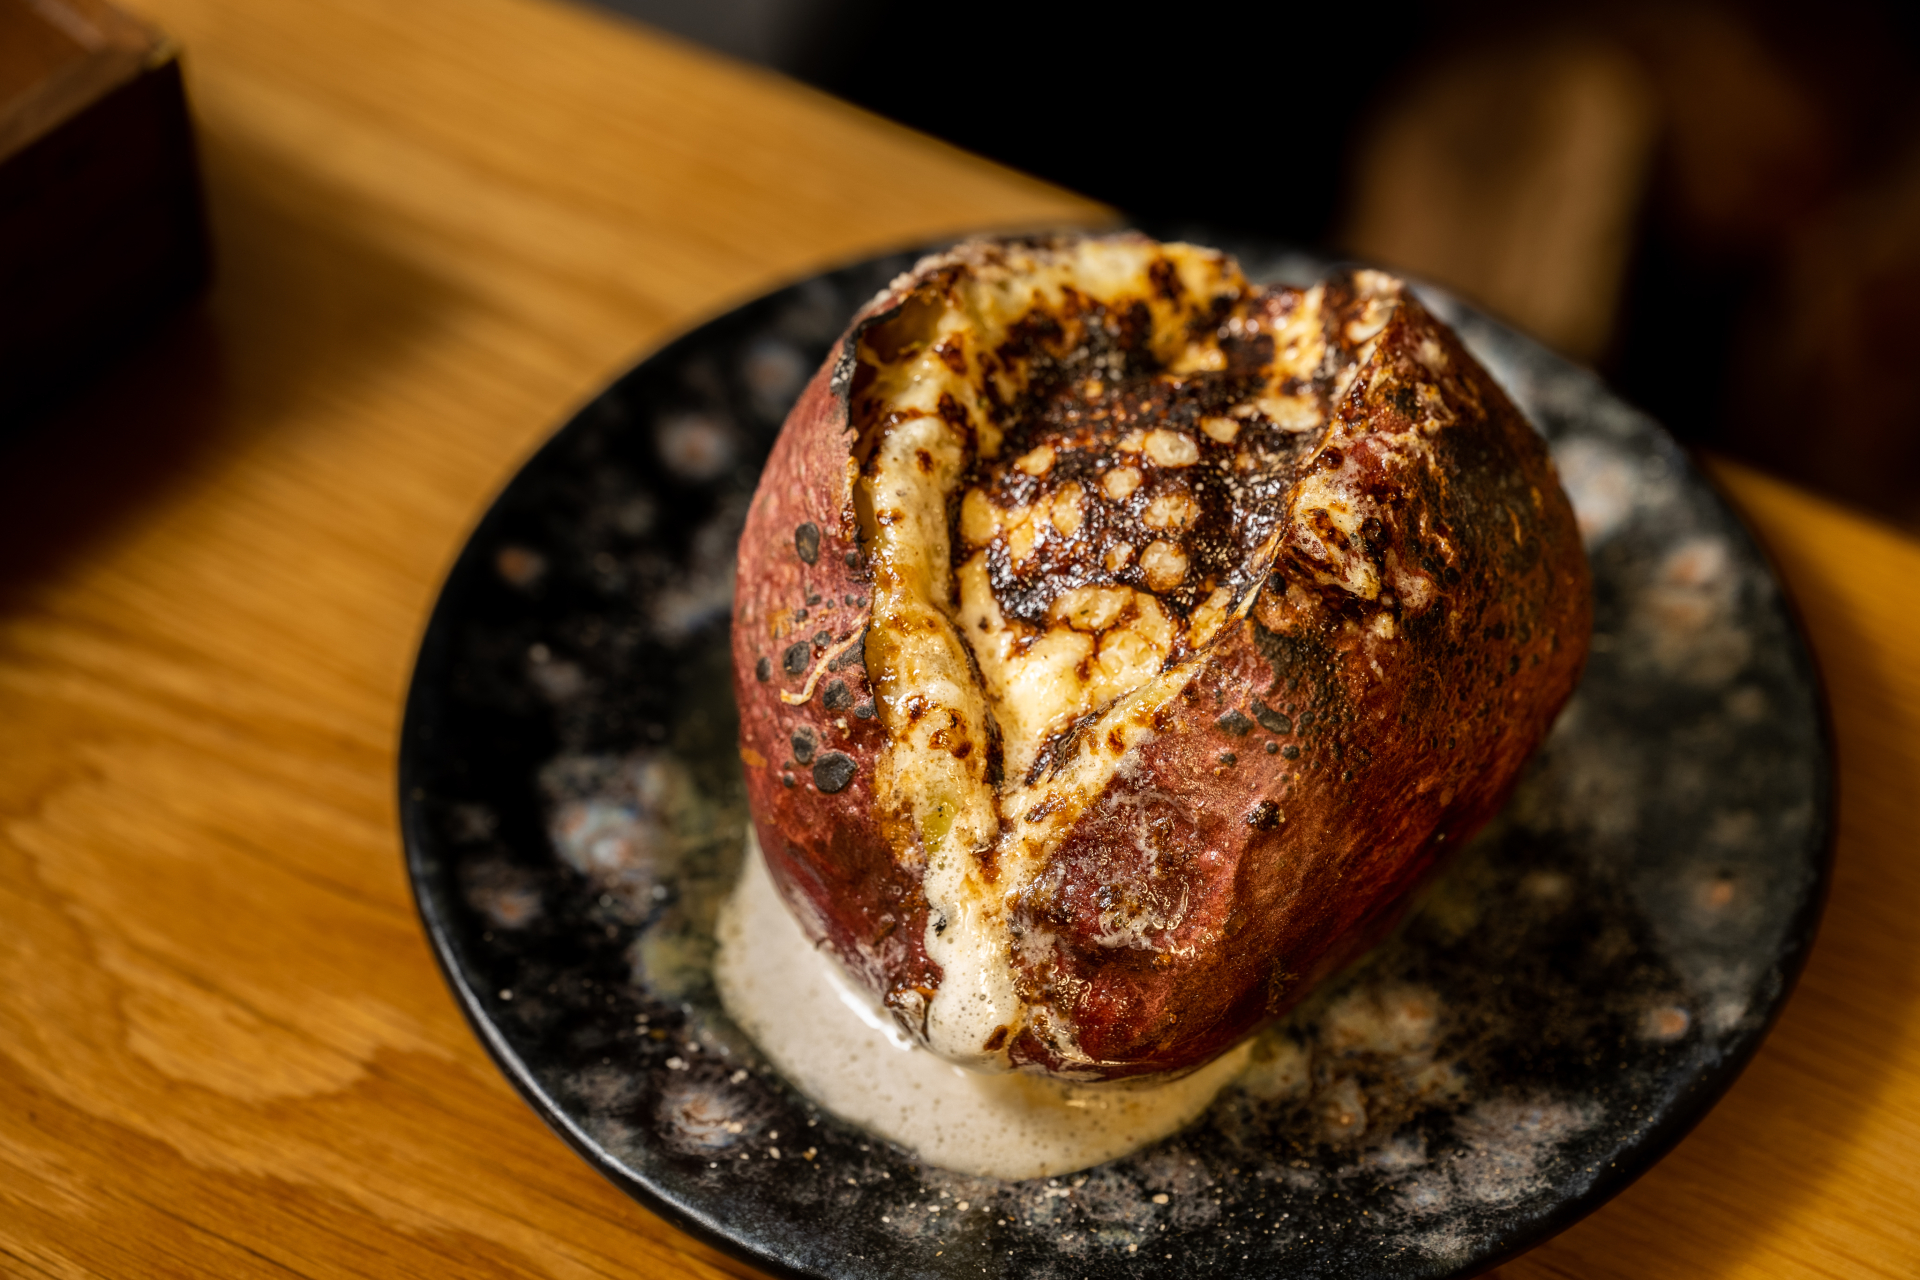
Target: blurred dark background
x,y
1716,204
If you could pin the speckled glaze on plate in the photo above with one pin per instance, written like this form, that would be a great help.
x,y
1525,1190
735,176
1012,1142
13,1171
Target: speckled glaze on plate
x,y
1560,1008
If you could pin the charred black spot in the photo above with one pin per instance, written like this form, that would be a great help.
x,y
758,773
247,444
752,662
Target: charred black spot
x,y
804,740
1264,816
786,780
806,542
1270,720
795,658
1166,280
952,356
823,637
1290,751
851,656
864,711
1235,723
1273,748
853,559
1228,757
1057,749
838,698
833,771
763,670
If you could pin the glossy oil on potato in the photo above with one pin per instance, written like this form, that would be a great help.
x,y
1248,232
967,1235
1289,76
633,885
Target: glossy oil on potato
x,y
1117,644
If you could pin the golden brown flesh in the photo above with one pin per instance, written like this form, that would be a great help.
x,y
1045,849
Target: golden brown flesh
x,y
1120,643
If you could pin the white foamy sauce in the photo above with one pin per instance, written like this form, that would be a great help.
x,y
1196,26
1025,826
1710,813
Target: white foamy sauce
x,y
833,1042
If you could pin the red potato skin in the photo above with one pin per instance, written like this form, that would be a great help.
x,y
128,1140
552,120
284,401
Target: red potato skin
x,y
822,847
1274,868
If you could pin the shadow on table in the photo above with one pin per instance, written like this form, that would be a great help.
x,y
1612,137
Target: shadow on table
x,y
1804,1109
304,302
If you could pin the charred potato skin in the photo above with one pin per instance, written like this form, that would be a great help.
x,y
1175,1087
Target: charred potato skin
x,y
800,600
1399,724
1291,864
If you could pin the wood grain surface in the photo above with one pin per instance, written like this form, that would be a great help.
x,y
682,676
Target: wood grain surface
x,y
224,1047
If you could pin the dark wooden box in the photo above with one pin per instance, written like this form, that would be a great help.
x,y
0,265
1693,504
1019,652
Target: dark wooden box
x,y
101,223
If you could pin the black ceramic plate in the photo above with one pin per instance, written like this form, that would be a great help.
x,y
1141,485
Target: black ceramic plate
x,y
1566,1003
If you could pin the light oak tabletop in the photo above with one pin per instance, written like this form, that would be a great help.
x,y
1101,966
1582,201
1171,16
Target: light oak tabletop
x,y
440,226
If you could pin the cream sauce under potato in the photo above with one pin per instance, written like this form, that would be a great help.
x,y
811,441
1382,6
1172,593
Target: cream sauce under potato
x,y
837,1046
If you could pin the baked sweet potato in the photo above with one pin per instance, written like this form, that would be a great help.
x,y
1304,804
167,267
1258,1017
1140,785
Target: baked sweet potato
x,y
1117,643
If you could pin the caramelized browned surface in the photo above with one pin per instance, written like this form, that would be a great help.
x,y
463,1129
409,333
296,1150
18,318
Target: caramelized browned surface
x,y
1209,487
1111,499
1332,748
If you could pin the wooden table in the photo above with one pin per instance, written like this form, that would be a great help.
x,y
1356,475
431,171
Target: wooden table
x,y
224,1047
